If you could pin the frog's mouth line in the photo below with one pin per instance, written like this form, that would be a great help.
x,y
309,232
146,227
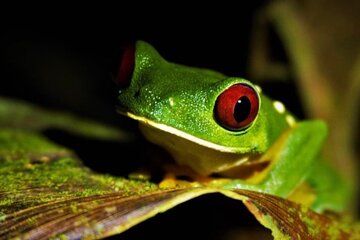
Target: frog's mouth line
x,y
178,132
204,157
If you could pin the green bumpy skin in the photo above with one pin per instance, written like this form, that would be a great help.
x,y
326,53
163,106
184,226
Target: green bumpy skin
x,y
275,154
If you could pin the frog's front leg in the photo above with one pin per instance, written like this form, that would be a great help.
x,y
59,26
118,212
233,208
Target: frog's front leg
x,y
291,158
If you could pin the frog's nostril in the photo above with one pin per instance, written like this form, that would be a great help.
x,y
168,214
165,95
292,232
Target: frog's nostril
x,y
126,68
137,94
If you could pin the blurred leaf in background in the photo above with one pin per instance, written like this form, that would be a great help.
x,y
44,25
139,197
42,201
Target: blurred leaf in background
x,y
321,44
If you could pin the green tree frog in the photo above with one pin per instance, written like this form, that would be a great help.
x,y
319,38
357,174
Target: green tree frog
x,y
225,126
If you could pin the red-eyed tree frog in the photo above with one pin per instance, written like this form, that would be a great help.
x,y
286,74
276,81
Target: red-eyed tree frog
x,y
225,126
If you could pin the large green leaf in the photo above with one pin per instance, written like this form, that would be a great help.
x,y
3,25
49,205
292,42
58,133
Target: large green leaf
x,y
47,192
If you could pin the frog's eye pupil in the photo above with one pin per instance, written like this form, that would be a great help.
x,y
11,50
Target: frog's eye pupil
x,y
242,109
236,108
126,68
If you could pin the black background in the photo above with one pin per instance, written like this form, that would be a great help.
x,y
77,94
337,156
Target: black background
x,y
69,66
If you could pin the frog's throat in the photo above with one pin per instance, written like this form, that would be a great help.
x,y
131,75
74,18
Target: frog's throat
x,y
181,134
204,157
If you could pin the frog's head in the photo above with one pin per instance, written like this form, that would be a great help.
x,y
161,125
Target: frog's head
x,y
205,119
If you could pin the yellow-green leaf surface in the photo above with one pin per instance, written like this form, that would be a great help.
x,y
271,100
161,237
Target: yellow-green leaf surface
x,y
47,192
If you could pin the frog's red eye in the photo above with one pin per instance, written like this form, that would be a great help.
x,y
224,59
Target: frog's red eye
x,y
126,67
237,107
